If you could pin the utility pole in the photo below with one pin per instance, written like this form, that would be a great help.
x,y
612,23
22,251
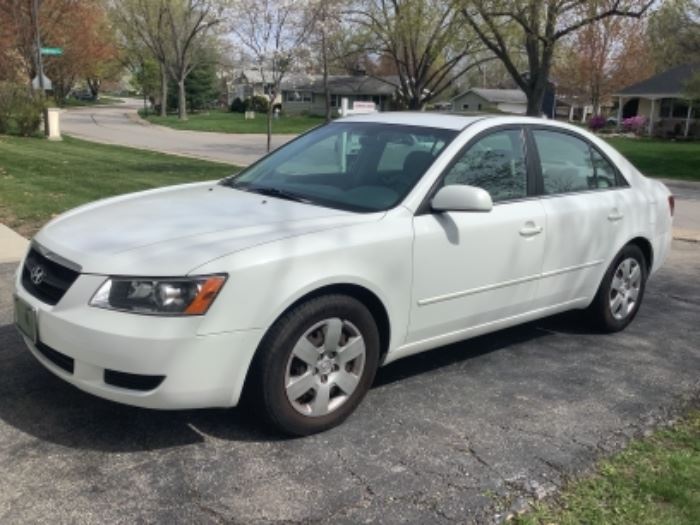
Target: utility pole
x,y
40,70
37,42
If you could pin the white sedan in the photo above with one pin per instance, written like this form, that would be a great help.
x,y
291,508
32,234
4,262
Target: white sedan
x,y
361,242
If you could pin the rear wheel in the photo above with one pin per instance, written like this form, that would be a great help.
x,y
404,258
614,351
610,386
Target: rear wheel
x,y
316,364
621,291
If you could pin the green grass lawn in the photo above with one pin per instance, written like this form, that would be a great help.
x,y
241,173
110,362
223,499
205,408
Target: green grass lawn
x,y
227,122
39,179
654,481
661,158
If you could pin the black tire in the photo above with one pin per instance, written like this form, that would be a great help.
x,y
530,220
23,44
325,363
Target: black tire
x,y
600,310
271,361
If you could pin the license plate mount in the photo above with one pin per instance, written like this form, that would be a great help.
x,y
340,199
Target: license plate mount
x,y
25,317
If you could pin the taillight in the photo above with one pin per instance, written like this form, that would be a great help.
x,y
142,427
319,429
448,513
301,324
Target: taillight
x,y
671,204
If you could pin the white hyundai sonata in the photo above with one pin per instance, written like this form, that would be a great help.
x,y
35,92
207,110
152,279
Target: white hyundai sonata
x,y
361,242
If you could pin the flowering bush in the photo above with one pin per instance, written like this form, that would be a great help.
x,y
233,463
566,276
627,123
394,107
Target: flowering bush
x,y
597,122
635,124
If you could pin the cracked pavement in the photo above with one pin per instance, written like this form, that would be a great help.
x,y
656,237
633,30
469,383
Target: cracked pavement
x,y
461,434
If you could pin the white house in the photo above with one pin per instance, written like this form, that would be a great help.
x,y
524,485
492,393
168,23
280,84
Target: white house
x,y
663,101
488,100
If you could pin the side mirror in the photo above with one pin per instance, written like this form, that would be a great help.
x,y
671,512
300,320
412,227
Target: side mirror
x,y
458,197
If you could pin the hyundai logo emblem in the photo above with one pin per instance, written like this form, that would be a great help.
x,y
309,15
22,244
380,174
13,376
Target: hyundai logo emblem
x,y
37,274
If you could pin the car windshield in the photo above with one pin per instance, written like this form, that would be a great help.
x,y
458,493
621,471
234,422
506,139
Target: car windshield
x,y
356,166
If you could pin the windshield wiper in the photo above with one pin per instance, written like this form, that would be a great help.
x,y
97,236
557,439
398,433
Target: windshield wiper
x,y
276,192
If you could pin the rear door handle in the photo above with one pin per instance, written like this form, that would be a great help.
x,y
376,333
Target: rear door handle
x,y
615,215
530,230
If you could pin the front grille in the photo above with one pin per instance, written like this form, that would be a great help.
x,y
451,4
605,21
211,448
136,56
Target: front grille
x,y
132,381
46,279
57,358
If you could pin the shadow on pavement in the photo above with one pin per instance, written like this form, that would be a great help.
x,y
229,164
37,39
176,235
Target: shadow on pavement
x,y
35,402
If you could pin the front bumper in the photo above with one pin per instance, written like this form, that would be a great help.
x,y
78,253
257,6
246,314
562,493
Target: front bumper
x,y
200,369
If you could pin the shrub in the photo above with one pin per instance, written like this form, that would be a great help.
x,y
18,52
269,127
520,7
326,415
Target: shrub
x,y
635,124
237,106
27,115
20,109
257,103
597,122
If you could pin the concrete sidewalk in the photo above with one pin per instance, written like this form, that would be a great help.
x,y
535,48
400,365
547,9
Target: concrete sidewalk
x,y
12,245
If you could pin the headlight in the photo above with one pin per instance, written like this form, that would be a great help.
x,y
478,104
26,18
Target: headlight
x,y
142,295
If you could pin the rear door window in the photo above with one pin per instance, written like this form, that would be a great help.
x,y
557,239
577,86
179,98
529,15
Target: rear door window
x,y
570,164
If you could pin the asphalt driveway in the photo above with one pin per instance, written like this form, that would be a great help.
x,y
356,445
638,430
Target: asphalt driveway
x,y
459,434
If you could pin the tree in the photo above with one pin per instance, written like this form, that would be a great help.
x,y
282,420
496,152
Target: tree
x,y
141,24
187,23
145,77
78,26
89,51
201,84
324,17
674,34
510,27
275,33
602,58
427,42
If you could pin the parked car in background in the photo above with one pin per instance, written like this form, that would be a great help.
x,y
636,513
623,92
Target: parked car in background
x,y
361,242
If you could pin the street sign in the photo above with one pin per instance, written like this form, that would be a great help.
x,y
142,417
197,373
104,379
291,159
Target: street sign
x,y
37,85
52,51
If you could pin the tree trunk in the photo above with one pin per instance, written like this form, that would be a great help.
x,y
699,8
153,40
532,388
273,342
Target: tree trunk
x,y
326,90
269,123
181,100
534,102
415,104
163,91
94,86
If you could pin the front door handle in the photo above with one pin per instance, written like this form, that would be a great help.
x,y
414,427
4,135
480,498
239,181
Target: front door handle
x,y
530,230
615,215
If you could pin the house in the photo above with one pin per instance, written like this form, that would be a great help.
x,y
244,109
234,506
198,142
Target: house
x,y
489,100
251,82
662,100
306,93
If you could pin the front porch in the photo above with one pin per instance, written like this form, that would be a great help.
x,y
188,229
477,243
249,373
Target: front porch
x,y
667,116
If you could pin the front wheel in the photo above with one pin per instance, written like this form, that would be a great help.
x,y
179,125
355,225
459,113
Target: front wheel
x,y
316,364
621,291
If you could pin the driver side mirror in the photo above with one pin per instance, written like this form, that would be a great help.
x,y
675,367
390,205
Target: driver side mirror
x,y
459,197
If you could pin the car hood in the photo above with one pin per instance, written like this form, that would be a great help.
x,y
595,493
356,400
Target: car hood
x,y
171,231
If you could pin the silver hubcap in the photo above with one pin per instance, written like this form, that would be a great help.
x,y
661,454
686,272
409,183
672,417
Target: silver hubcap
x,y
325,367
624,289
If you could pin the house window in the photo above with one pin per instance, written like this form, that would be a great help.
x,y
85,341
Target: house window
x,y
673,108
680,109
335,101
666,108
297,96
465,106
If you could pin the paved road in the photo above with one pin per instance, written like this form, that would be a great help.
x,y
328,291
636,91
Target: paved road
x,y
686,221
120,125
454,435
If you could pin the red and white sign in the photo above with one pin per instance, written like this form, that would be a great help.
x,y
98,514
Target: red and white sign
x,y
360,107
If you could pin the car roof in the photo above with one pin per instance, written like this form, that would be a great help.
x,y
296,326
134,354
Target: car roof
x,y
416,118
454,121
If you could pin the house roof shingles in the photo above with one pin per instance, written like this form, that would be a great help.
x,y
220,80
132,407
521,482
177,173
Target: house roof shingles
x,y
505,96
344,84
670,83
